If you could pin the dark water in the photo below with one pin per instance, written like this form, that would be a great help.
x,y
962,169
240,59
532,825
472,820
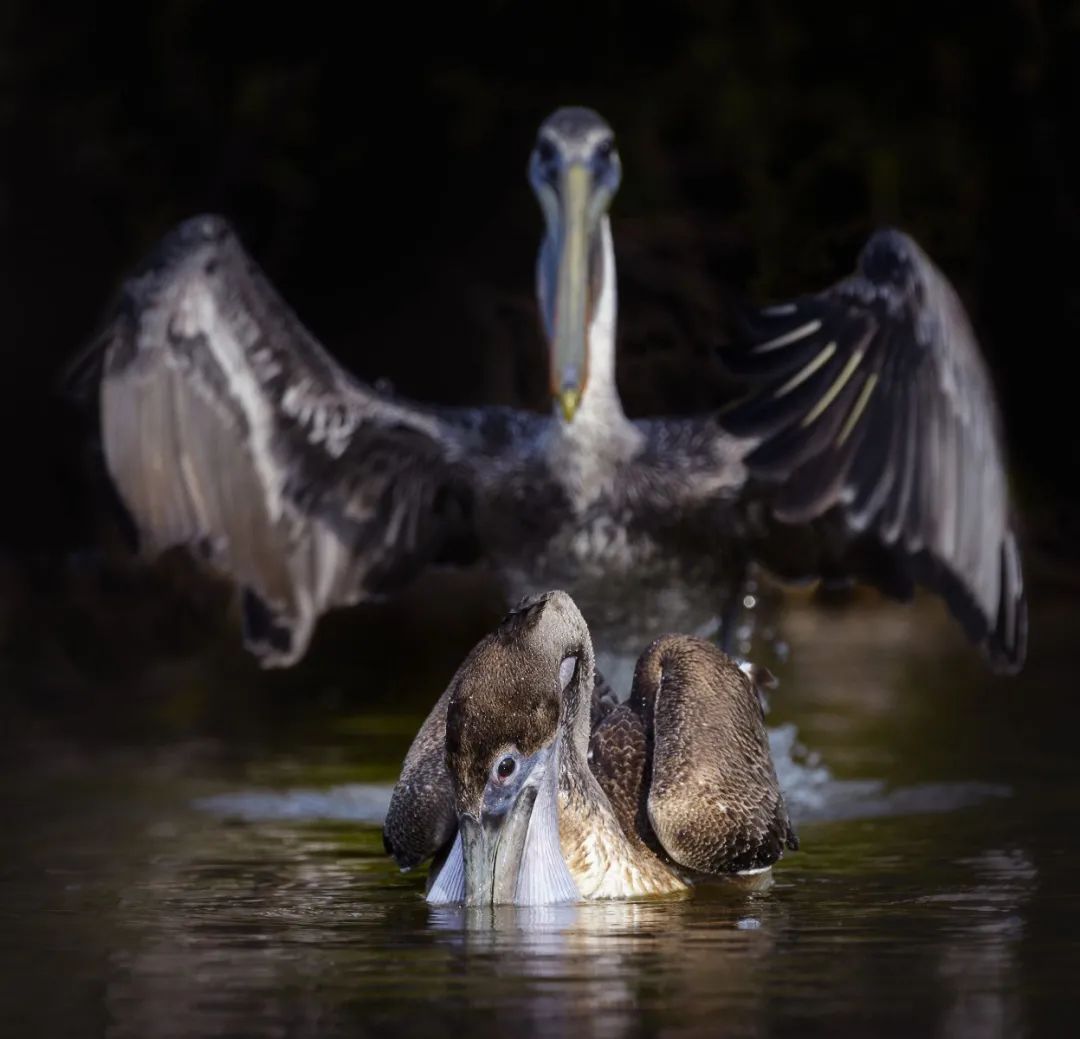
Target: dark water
x,y
235,883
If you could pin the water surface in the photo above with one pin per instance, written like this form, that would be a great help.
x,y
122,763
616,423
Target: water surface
x,y
221,872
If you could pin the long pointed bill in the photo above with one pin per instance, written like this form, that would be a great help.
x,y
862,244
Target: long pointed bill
x,y
492,850
515,858
569,352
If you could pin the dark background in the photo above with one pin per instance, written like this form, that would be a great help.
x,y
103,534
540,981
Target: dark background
x,y
377,172
376,168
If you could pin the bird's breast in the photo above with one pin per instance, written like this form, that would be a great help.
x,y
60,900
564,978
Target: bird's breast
x,y
602,861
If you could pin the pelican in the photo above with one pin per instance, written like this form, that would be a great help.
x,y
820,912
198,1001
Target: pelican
x,y
530,789
867,445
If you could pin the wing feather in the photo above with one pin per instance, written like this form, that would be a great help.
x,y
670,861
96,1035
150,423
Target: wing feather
x,y
713,800
871,410
229,430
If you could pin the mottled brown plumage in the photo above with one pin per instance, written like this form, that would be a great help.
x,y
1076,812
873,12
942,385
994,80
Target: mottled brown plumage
x,y
497,676
422,821
469,716
672,787
708,739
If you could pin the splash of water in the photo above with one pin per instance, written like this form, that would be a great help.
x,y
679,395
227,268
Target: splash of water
x,y
813,794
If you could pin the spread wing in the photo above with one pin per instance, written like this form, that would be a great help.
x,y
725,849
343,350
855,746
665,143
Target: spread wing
x,y
228,429
871,410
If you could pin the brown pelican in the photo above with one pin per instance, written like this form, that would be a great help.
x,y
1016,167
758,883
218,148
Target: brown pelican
x,y
867,446
535,789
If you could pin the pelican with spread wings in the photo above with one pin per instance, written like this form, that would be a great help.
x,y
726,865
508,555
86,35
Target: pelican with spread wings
x,y
867,445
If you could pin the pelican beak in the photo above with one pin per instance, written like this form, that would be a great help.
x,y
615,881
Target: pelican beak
x,y
492,848
512,855
574,242
568,400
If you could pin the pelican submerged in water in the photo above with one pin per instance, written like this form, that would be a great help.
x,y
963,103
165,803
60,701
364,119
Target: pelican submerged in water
x,y
867,446
529,788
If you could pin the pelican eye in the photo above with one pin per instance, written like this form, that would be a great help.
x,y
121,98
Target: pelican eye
x,y
605,150
505,768
545,151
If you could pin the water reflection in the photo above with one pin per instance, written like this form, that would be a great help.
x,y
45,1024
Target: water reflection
x,y
981,965
307,927
603,968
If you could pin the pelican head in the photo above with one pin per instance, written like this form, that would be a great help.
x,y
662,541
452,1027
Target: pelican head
x,y
575,171
504,742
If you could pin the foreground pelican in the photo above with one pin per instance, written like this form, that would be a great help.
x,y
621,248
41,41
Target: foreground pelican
x,y
867,447
531,790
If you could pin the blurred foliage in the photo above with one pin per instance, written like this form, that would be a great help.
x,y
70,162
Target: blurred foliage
x,y
376,170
